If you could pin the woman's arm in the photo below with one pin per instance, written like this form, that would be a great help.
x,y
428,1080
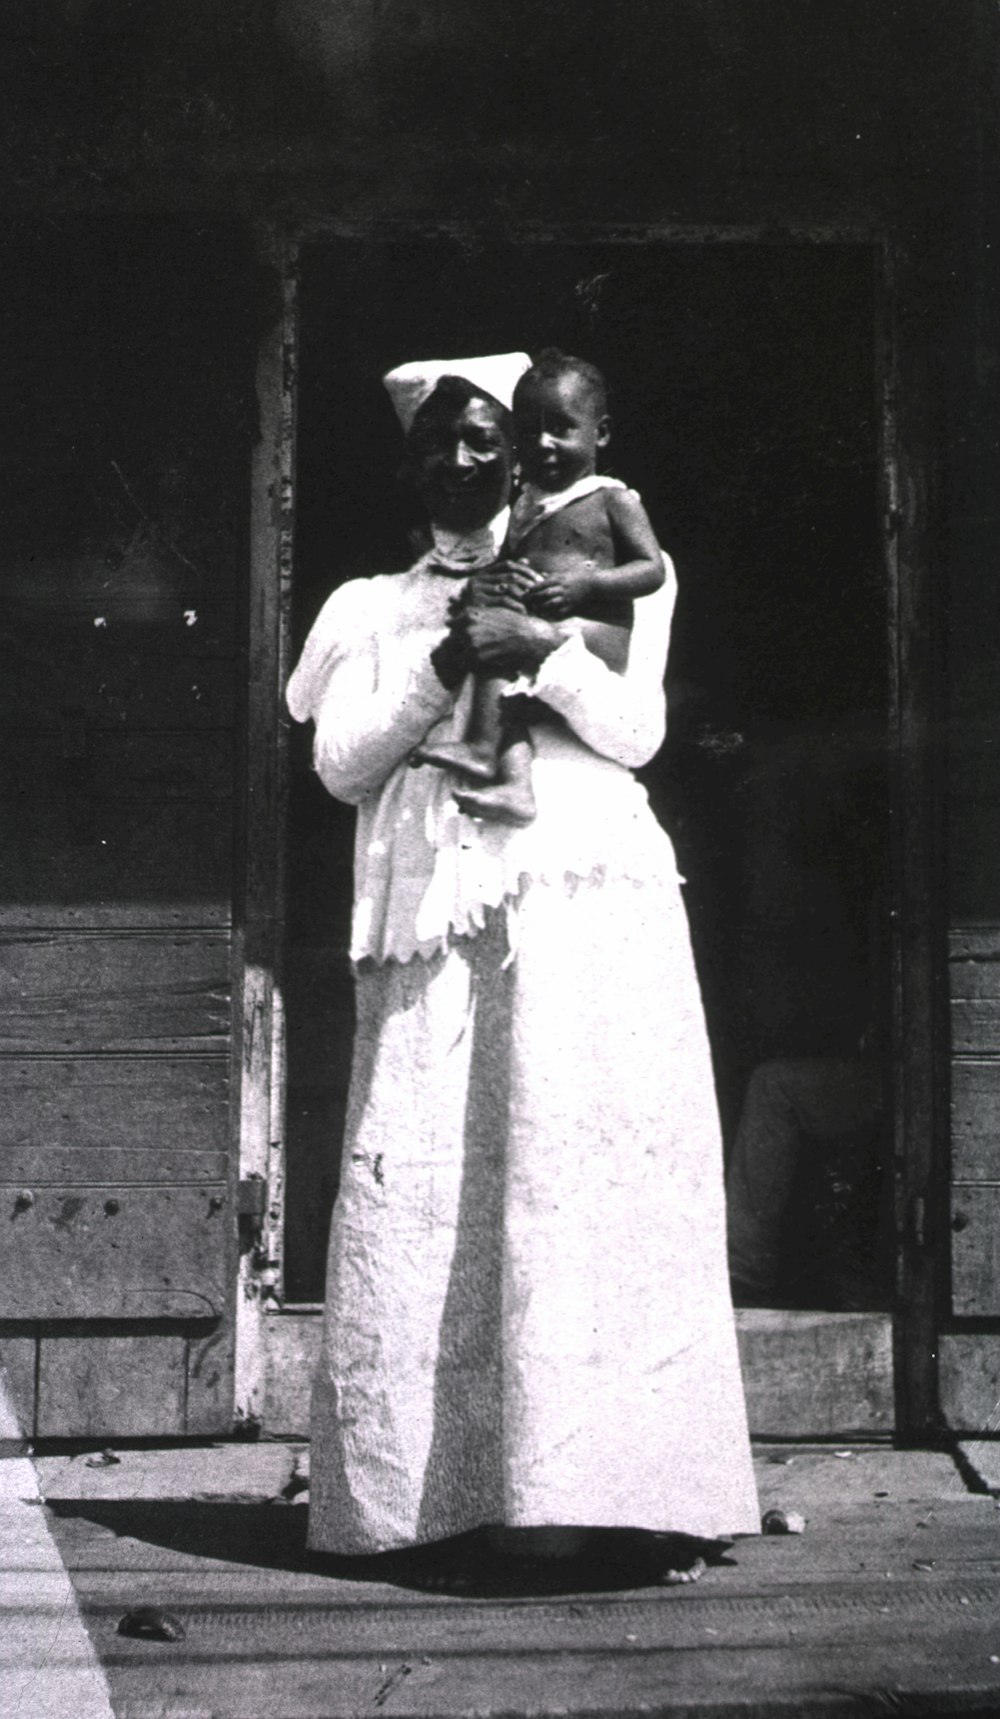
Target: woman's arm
x,y
611,713
621,716
373,694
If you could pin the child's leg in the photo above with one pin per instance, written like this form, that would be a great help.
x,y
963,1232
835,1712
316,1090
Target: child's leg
x,y
510,799
478,755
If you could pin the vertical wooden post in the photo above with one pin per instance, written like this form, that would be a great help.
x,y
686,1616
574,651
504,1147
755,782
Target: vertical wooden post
x,y
259,1027
918,972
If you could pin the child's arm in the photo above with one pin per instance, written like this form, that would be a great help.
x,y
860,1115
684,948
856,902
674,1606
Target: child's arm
x,y
637,571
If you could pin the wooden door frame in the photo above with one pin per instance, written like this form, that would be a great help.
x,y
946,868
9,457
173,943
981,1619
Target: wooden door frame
x,y
919,911
258,1012
275,1340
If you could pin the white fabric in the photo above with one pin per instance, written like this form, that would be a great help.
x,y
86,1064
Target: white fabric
x,y
422,868
409,385
336,635
463,551
527,1315
534,504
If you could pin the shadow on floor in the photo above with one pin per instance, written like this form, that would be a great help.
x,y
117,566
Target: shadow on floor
x,y
273,1537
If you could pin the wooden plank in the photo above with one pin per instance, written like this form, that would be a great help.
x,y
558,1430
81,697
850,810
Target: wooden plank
x,y
112,1385
917,1047
976,941
45,1166
816,1374
394,1624
983,1457
975,1121
150,690
259,1108
131,765
142,1105
782,1659
969,1381
975,1249
973,843
974,986
18,1362
977,976
57,853
137,991
975,1025
187,626
114,1252
180,914
291,1352
209,1400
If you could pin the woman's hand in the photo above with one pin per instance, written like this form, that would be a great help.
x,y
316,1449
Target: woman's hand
x,y
502,640
502,585
560,594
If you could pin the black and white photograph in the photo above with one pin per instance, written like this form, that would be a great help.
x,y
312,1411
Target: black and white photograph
x,y
500,859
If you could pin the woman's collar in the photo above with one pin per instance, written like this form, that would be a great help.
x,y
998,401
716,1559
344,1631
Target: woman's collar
x,y
459,552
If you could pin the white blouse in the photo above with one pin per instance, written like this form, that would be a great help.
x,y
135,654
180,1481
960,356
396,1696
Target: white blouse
x,y
423,869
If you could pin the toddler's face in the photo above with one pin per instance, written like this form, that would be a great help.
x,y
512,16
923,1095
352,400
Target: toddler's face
x,y
557,430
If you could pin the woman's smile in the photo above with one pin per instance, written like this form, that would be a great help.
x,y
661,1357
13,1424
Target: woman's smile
x,y
464,465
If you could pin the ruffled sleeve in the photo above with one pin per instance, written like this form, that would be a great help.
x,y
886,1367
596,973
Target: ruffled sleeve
x,y
370,689
621,716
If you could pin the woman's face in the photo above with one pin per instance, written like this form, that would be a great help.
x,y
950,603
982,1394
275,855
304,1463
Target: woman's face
x,y
462,460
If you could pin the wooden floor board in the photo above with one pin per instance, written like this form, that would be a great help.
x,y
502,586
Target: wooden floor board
x,y
877,1606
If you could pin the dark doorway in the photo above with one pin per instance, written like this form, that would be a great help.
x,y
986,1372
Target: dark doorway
x,y
745,408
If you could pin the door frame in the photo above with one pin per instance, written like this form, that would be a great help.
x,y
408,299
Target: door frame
x,y
276,1341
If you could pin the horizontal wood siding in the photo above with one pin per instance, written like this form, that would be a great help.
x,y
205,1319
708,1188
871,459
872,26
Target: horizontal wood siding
x,y
975,1120
969,1370
114,1252
974,1207
816,1375
208,1403
97,1385
806,1375
114,991
18,1363
122,580
56,1105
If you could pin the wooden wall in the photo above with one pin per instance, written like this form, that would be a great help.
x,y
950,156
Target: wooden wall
x,y
127,354
145,141
969,551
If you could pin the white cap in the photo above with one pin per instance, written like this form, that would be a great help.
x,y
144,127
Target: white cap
x,y
410,385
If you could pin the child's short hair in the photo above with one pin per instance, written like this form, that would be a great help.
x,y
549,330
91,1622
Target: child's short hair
x,y
550,364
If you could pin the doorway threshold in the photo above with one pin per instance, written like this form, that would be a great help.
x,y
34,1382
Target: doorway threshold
x,y
815,1374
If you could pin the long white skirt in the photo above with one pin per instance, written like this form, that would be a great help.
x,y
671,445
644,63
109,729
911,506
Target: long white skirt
x,y
528,1318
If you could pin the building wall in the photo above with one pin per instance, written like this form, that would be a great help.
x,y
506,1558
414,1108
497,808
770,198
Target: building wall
x,y
139,150
127,351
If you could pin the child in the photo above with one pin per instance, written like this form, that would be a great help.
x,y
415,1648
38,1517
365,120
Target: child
x,y
585,548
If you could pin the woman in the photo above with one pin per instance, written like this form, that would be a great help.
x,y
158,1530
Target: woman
x,y
528,1321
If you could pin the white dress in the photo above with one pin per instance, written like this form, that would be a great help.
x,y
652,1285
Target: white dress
x,y
527,1315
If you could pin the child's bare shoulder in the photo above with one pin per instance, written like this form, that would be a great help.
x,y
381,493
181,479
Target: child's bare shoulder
x,y
624,505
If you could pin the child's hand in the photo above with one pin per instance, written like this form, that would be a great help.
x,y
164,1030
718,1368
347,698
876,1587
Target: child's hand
x,y
560,594
502,585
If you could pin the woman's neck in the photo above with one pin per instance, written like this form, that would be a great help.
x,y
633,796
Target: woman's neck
x,y
474,547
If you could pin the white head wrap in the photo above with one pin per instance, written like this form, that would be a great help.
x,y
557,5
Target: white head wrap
x,y
410,385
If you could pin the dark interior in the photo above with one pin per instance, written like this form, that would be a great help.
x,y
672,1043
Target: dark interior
x,y
745,410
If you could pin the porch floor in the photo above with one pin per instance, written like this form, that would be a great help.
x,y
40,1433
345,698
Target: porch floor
x,y
889,1601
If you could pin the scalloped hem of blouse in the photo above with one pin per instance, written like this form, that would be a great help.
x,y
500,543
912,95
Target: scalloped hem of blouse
x,y
477,916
